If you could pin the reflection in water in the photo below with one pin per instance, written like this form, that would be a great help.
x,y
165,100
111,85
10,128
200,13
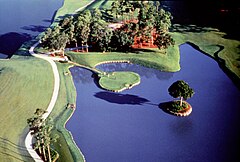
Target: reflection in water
x,y
136,131
181,126
121,98
142,71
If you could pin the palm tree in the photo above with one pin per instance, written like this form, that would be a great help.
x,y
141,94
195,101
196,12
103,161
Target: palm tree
x,y
35,126
47,140
41,130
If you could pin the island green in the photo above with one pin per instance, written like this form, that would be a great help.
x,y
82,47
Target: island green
x,y
27,83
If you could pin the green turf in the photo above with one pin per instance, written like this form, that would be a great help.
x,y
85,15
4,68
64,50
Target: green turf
x,y
27,83
152,58
25,86
101,4
69,7
65,146
118,81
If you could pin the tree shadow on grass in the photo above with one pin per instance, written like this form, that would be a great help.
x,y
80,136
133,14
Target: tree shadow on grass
x,y
60,18
121,98
103,3
142,50
183,28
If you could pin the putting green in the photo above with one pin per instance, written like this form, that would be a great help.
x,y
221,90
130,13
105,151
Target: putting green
x,y
118,81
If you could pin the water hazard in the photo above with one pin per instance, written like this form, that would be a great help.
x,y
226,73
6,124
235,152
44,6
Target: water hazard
x,y
129,126
22,20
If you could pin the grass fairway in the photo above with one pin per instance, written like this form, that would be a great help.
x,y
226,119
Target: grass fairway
x,y
26,84
70,7
119,81
152,58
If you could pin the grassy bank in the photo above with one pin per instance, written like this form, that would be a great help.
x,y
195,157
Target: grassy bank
x,y
152,58
215,44
67,95
69,7
27,82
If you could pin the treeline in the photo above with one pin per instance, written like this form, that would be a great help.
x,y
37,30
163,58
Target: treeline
x,y
91,27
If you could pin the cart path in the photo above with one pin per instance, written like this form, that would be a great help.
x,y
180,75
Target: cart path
x,y
29,138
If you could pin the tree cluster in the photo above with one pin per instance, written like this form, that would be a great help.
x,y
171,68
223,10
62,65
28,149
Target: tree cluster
x,y
143,19
88,28
41,131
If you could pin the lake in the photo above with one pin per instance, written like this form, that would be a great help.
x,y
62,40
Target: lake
x,y
22,20
130,127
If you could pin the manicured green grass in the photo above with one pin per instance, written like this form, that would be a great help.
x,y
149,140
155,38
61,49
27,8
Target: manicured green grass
x,y
25,86
118,81
27,83
65,146
69,7
152,58
101,4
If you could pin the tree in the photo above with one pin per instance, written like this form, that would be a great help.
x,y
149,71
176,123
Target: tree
x,y
163,41
104,39
55,39
35,125
121,40
180,89
41,131
115,9
162,21
82,28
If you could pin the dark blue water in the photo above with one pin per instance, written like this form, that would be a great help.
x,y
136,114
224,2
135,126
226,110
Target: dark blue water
x,y
21,20
130,127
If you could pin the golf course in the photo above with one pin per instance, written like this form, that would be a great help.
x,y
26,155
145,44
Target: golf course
x,y
28,80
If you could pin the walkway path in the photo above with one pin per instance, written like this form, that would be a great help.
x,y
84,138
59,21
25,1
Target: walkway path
x,y
29,137
84,6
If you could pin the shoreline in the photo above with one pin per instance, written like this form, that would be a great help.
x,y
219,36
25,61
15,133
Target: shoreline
x,y
221,62
123,89
28,139
166,107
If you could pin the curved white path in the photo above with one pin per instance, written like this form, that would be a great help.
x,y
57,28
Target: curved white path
x,y
84,6
29,138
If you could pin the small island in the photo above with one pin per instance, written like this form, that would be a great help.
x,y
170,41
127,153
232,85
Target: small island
x,y
139,34
80,36
118,81
179,108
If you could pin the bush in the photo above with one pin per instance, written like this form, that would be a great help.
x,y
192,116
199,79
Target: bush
x,y
175,106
